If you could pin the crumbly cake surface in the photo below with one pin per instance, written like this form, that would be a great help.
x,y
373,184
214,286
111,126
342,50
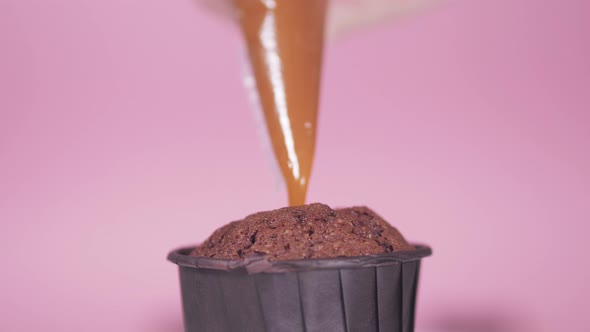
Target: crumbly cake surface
x,y
304,232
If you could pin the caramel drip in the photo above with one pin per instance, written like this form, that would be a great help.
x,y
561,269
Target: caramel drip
x,y
285,45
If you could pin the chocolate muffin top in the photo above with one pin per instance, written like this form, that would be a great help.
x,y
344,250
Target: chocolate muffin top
x,y
303,232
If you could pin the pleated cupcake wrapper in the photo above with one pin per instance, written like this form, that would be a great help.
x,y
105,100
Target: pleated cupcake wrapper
x,y
371,293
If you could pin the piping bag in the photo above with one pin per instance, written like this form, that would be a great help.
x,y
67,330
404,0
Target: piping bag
x,y
285,41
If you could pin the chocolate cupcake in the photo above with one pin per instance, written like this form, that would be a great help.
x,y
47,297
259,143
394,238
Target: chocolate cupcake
x,y
306,268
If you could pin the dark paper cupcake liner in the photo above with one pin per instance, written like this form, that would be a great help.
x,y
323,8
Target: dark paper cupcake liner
x,y
371,293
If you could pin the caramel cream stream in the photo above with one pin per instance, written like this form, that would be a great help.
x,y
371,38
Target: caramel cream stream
x,y
285,40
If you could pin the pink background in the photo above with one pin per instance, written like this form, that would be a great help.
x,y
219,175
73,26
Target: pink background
x,y
125,132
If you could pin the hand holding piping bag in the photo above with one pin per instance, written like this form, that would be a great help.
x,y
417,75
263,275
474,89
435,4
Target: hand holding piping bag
x,y
345,16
